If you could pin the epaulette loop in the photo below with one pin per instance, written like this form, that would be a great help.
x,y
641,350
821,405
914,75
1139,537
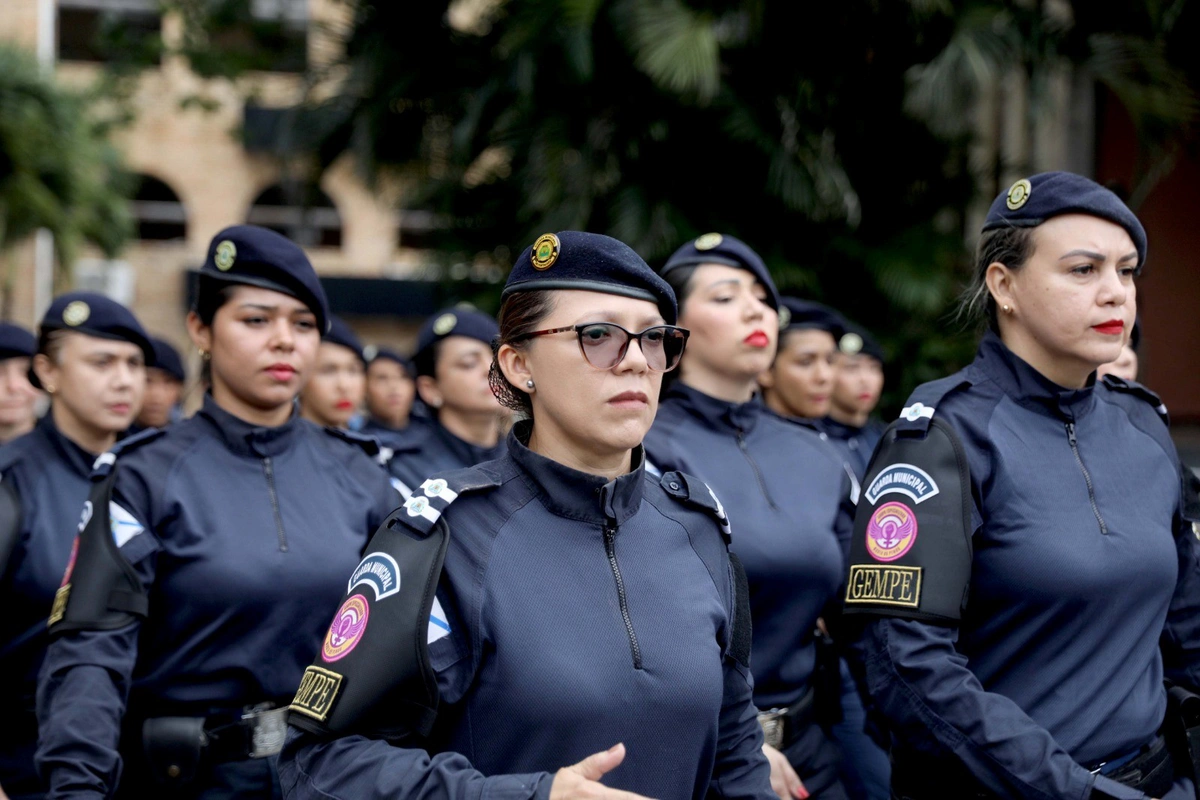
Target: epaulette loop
x,y
105,461
692,491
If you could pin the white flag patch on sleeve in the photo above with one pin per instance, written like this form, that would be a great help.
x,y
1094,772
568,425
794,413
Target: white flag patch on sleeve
x,y
124,525
439,628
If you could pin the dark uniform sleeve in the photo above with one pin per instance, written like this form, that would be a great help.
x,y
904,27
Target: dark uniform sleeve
x,y
741,769
1181,634
86,676
906,594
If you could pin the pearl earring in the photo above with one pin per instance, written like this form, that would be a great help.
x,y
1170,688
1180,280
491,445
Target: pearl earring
x,y
529,383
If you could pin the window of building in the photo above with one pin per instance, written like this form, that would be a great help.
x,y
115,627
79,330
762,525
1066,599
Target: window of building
x,y
109,30
303,213
269,35
159,214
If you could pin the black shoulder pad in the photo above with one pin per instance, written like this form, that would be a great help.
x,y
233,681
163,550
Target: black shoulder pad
x,y
373,672
918,412
691,491
100,590
105,461
911,552
1137,390
425,506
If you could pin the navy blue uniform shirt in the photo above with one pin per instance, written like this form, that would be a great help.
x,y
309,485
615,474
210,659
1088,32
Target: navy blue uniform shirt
x,y
48,473
1075,576
542,668
427,448
243,537
855,444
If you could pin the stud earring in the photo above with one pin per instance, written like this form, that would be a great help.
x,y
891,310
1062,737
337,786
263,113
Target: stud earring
x,y
529,383
1006,308
204,354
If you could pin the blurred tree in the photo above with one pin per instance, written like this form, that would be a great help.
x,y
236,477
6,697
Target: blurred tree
x,y
833,137
57,170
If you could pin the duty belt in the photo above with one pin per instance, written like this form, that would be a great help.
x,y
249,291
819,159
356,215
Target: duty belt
x,y
782,726
258,733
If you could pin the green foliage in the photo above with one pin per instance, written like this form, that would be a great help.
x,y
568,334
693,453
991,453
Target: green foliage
x,y
57,170
833,137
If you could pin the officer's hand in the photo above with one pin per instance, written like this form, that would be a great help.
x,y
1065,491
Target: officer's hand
x,y
784,780
582,780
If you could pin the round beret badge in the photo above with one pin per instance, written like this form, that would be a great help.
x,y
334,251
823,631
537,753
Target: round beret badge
x,y
76,313
1018,194
226,253
708,241
545,251
444,324
851,344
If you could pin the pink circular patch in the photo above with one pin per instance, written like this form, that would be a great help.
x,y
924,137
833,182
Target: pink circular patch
x,y
347,628
891,531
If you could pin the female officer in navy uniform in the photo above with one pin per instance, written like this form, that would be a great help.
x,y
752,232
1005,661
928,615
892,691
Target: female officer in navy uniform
x,y
857,387
91,359
584,638
1021,550
334,393
390,391
799,382
786,491
18,397
452,359
208,555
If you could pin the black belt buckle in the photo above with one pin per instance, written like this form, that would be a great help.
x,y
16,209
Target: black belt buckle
x,y
267,728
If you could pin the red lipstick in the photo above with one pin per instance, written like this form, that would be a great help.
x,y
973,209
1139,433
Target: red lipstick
x,y
343,405
757,339
1114,327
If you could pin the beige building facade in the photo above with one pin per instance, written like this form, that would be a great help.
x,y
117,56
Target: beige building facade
x,y
199,177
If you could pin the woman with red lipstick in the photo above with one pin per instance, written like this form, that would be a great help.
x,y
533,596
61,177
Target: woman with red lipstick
x,y
210,556
583,640
1023,570
335,391
786,491
91,358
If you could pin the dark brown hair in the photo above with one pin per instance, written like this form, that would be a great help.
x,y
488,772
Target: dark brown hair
x,y
1011,247
520,313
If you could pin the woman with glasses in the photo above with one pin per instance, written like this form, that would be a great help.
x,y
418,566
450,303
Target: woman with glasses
x,y
454,353
786,491
585,639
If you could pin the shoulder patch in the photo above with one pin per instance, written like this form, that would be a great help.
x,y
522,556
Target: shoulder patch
x,y
922,404
104,462
426,504
691,491
1138,390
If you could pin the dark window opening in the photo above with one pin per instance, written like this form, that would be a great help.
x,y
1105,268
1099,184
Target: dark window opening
x,y
127,31
159,214
268,35
303,213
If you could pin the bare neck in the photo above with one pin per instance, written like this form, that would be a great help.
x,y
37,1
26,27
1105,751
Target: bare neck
x,y
481,430
93,440
547,441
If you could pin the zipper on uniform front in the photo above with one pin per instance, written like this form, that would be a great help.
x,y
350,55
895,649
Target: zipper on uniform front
x,y
270,473
1087,477
610,547
762,484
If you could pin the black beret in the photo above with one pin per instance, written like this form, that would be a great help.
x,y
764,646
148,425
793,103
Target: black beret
x,y
1031,201
260,257
374,354
166,358
591,262
15,341
342,334
95,315
719,248
457,321
807,315
858,339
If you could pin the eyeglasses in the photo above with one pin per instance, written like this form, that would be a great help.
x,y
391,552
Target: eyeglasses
x,y
604,344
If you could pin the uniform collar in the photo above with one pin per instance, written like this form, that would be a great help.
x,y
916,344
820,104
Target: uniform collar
x,y
246,439
837,430
1029,387
716,412
579,495
76,457
466,452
